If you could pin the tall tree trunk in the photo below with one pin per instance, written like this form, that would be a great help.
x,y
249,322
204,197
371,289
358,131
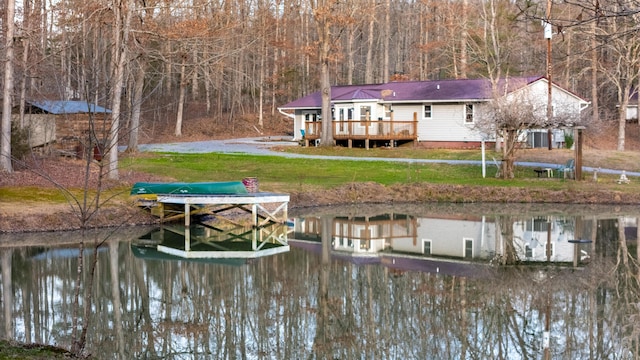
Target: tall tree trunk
x,y
276,58
594,73
26,43
122,12
181,96
137,104
195,90
368,67
207,86
623,100
424,40
463,39
349,50
264,51
387,36
7,91
322,13
25,77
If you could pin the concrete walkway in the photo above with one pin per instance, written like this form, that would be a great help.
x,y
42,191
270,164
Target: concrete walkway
x,y
264,145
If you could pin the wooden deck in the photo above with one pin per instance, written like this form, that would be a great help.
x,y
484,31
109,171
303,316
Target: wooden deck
x,y
379,132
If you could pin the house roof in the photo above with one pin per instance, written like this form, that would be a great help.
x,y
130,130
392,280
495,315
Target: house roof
x,y
414,91
58,107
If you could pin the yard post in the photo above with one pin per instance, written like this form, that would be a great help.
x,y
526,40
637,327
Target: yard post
x,y
578,152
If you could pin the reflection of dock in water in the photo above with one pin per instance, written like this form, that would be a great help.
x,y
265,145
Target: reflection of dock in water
x,y
221,219
205,241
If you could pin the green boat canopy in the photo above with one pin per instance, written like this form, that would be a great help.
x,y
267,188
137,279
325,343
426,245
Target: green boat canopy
x,y
197,188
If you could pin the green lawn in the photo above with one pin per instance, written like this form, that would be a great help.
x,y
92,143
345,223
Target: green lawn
x,y
286,174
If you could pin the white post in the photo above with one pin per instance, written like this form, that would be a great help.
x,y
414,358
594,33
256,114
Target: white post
x,y
484,165
187,227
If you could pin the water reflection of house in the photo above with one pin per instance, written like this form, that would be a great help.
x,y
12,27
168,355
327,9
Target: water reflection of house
x,y
544,239
630,225
364,234
460,237
457,237
447,237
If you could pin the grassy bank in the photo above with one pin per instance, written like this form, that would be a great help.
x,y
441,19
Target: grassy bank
x,y
302,175
291,174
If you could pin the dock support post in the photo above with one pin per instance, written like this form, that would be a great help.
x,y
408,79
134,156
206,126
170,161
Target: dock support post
x,y
254,215
187,227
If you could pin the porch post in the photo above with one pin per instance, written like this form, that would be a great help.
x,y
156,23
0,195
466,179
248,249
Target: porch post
x,y
415,129
366,131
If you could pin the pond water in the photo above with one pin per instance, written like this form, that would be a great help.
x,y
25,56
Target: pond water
x,y
381,282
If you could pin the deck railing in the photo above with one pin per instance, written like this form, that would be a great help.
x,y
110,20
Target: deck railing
x,y
380,130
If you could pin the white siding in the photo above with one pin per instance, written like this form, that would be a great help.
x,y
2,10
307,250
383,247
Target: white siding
x,y
632,112
447,124
448,238
402,112
564,103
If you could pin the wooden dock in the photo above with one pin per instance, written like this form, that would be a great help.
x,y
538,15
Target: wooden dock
x,y
263,207
244,225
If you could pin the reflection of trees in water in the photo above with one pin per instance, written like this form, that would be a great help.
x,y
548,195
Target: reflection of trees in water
x,y
306,305
504,227
627,290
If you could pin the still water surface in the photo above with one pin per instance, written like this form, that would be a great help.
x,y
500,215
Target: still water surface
x,y
385,282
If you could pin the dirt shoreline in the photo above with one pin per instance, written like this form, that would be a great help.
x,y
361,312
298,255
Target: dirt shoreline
x,y
47,217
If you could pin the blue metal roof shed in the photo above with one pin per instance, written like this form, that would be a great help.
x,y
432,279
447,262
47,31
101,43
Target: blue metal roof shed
x,y
58,107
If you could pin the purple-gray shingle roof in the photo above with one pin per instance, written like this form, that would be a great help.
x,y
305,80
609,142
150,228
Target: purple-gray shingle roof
x,y
413,91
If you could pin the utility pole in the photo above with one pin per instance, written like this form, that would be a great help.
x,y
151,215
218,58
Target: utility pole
x,y
548,34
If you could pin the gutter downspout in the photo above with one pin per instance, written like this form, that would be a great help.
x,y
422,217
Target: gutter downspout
x,y
293,117
286,114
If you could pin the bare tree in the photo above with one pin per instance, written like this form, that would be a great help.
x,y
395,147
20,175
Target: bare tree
x,y
122,15
7,91
324,14
510,114
623,66
138,92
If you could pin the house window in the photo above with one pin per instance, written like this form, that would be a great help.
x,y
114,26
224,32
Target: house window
x,y
468,114
538,224
365,113
427,112
341,114
468,248
387,111
350,114
310,117
427,247
528,251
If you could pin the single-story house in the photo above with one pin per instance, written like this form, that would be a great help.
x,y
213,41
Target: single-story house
x,y
65,124
435,113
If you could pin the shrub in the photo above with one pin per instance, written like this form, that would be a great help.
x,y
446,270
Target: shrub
x,y
568,140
